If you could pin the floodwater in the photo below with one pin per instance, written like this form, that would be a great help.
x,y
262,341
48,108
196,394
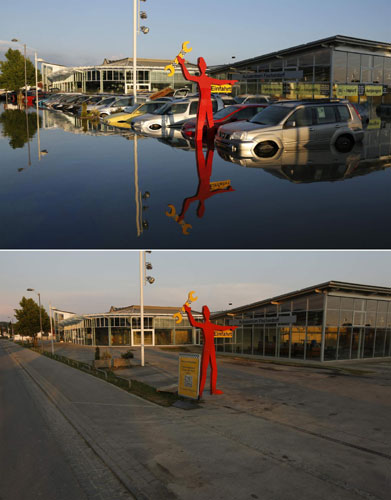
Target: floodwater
x,y
97,188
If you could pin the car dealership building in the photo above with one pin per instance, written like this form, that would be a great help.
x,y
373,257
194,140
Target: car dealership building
x,y
338,66
325,322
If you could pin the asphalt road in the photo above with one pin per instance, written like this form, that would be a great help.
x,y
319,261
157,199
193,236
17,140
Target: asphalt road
x,y
41,455
276,433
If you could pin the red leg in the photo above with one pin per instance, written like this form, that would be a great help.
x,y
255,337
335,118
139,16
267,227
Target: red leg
x,y
213,375
204,369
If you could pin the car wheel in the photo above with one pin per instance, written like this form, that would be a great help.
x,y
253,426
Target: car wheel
x,y
344,144
266,149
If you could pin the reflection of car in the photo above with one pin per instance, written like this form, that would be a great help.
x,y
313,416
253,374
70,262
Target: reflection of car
x,y
294,124
229,114
252,99
123,119
173,114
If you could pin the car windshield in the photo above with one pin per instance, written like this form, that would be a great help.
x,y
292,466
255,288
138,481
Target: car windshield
x,y
225,112
173,109
131,109
95,99
106,101
239,100
271,115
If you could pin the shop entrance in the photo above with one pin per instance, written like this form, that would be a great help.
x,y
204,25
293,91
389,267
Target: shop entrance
x,y
149,337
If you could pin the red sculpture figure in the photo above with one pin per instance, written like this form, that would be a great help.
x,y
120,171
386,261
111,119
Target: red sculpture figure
x,y
204,82
204,191
208,353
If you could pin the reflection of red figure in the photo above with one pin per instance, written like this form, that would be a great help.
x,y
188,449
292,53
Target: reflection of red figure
x,y
204,171
204,82
208,353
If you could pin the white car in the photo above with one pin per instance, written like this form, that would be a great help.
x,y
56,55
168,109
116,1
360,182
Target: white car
x,y
118,105
173,114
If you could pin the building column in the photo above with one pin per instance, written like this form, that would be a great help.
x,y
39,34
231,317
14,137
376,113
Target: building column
x,y
324,329
125,81
109,330
93,332
101,81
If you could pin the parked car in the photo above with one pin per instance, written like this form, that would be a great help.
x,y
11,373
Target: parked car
x,y
74,105
292,124
123,120
64,102
229,114
173,114
98,101
251,98
118,105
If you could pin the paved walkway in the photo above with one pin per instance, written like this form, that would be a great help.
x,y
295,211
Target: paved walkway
x,y
276,433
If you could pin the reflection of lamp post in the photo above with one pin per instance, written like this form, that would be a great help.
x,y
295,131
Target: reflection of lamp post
x,y
40,313
136,30
143,280
36,102
25,96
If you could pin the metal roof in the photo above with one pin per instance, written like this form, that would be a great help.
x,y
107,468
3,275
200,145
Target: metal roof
x,y
322,287
329,41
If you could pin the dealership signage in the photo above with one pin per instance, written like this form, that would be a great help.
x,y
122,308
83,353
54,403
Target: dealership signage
x,y
189,375
286,319
271,75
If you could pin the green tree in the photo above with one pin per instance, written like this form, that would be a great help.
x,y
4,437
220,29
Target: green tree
x,y
12,71
14,126
27,317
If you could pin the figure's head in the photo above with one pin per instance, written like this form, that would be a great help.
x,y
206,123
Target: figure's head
x,y
206,312
201,65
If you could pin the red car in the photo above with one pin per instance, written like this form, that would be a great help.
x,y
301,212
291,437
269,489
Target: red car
x,y
229,114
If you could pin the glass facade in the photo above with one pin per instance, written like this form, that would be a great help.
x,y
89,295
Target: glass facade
x,y
113,330
314,326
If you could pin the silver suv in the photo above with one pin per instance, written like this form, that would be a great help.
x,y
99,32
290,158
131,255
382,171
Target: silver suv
x,y
289,125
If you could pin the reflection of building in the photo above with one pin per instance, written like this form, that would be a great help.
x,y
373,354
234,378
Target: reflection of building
x,y
338,66
121,326
330,321
115,76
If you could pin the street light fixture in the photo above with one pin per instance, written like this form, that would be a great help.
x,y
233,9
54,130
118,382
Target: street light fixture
x,y
143,280
40,312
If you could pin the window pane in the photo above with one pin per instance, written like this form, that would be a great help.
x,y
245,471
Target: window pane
x,y
325,114
378,63
332,318
344,114
333,302
302,117
353,68
340,66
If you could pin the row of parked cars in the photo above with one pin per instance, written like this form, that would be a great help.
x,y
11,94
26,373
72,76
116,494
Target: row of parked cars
x,y
247,125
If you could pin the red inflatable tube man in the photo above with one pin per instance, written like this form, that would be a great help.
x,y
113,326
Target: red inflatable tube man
x,y
208,353
204,82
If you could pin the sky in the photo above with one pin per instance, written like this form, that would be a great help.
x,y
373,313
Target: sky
x,y
84,33
93,281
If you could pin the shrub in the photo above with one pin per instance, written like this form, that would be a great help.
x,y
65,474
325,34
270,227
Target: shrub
x,y
127,355
106,355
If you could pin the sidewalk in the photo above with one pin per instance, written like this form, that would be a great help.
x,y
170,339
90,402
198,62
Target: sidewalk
x,y
238,446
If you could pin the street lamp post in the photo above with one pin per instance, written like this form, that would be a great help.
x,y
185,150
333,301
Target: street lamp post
x,y
51,326
136,30
40,312
143,279
36,103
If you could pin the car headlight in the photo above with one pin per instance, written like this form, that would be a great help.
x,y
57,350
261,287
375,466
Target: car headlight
x,y
239,135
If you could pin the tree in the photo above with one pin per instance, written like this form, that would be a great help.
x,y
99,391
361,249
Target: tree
x,y
27,317
12,71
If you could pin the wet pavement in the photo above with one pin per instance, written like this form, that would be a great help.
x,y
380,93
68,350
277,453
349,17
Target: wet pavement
x,y
96,187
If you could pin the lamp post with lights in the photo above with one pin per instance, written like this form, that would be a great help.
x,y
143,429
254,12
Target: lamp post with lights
x,y
40,312
137,15
143,280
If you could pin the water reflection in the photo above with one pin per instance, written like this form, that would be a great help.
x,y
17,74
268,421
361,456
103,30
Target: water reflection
x,y
307,166
205,190
18,126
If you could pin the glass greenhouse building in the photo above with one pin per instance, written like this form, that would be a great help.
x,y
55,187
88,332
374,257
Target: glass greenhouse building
x,y
121,327
330,321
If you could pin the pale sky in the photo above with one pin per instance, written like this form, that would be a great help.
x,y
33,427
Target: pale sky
x,y
86,282
82,33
